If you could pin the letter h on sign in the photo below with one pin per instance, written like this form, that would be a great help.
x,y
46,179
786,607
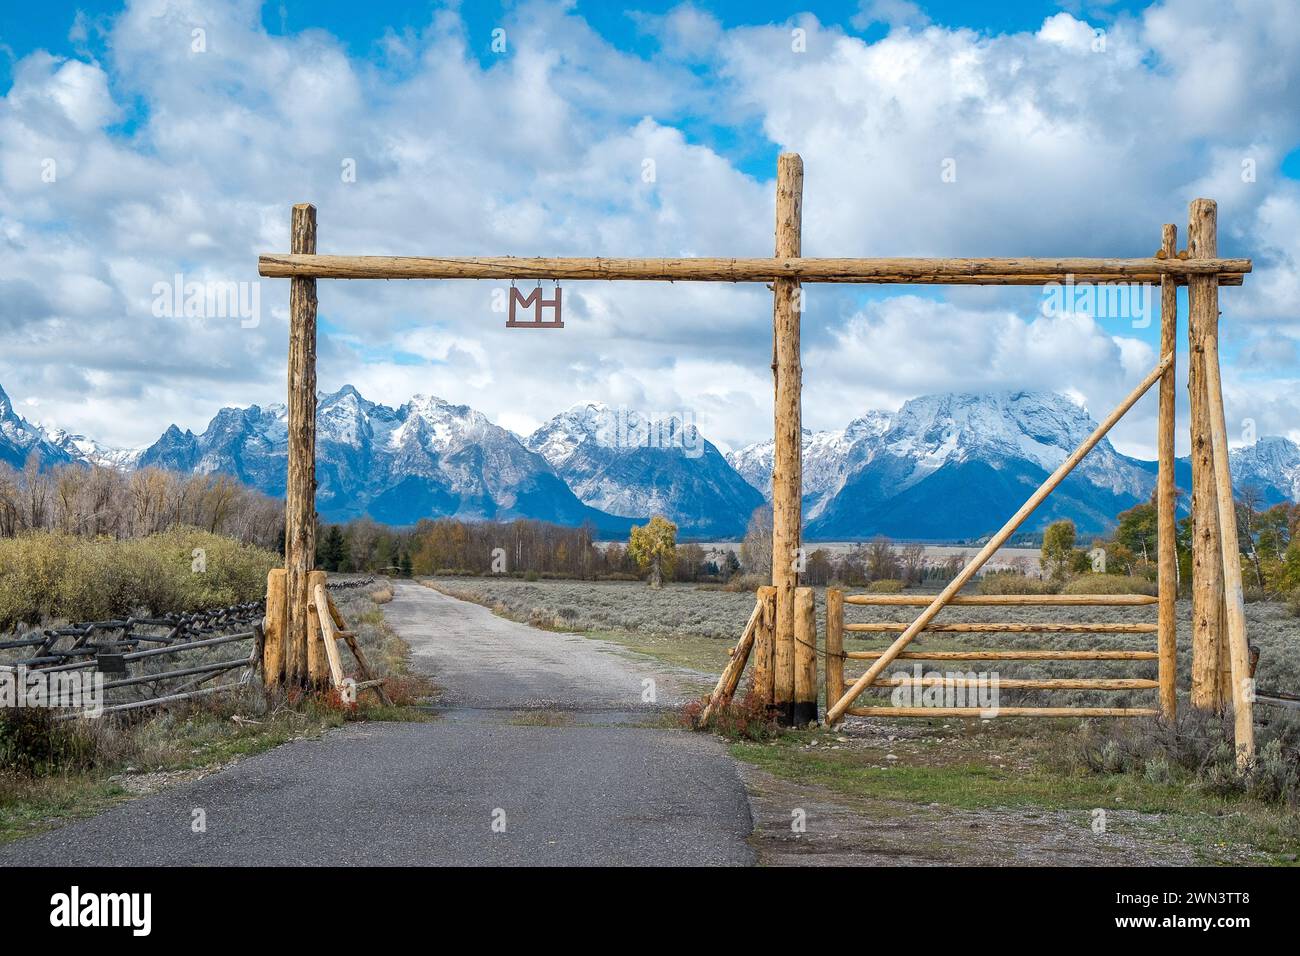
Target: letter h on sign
x,y
534,299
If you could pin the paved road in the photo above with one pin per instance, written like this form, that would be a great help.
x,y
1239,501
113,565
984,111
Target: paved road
x,y
599,787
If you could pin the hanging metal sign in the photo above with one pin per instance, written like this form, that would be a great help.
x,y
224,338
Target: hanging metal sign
x,y
535,300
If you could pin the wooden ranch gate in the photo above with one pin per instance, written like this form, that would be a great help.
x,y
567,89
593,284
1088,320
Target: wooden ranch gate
x,y
781,632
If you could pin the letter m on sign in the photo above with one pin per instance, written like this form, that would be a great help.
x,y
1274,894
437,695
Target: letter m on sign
x,y
535,300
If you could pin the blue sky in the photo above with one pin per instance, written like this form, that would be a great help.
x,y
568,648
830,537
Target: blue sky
x,y
171,160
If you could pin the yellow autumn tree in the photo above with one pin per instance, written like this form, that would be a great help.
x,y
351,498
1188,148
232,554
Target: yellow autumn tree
x,y
654,547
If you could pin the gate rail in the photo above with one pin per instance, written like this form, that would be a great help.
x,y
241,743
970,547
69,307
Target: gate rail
x,y
836,656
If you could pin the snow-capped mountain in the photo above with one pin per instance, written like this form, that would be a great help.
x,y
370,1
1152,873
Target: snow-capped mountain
x,y
1272,466
81,448
626,463
827,457
959,465
426,459
942,467
19,438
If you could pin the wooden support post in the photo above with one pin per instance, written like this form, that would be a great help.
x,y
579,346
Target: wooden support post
x,y
1166,501
318,669
1210,681
300,490
363,666
787,467
834,645
805,657
1241,670
273,628
835,711
730,678
320,606
765,648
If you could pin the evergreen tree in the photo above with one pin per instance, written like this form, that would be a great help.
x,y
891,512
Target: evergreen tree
x,y
333,551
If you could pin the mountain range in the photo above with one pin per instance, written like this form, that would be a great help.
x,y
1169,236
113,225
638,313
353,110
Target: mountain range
x,y
943,467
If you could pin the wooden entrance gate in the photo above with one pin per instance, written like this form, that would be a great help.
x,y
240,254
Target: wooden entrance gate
x,y
1217,596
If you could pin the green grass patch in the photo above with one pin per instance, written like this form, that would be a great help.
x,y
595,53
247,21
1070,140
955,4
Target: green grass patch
x,y
542,718
928,771
691,651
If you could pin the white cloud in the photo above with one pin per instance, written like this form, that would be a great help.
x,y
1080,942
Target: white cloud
x,y
1058,150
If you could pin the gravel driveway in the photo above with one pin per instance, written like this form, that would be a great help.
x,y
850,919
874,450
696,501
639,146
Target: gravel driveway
x,y
545,753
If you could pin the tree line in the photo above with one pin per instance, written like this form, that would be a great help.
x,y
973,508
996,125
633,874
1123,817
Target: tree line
x,y
94,501
1268,542
537,549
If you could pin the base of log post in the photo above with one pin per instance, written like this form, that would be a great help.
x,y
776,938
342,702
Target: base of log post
x,y
275,625
804,709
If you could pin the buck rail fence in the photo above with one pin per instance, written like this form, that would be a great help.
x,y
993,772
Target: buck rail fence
x,y
150,661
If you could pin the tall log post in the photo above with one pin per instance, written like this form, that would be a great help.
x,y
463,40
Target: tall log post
x,y
787,490
1233,637
1166,503
834,646
1210,689
765,648
805,657
300,491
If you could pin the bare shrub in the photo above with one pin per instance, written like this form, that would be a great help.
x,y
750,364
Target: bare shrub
x,y
1010,582
885,586
1109,584
743,718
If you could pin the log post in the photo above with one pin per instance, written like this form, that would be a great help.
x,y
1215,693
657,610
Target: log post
x,y
1241,671
273,627
834,646
300,490
1166,503
805,657
787,493
765,648
1210,691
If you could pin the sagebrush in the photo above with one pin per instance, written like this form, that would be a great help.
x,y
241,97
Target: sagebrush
x,y
48,576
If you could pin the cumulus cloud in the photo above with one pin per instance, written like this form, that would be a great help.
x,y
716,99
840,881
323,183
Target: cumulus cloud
x,y
178,157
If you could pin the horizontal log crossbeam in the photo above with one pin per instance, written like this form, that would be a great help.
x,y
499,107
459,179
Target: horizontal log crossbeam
x,y
872,271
